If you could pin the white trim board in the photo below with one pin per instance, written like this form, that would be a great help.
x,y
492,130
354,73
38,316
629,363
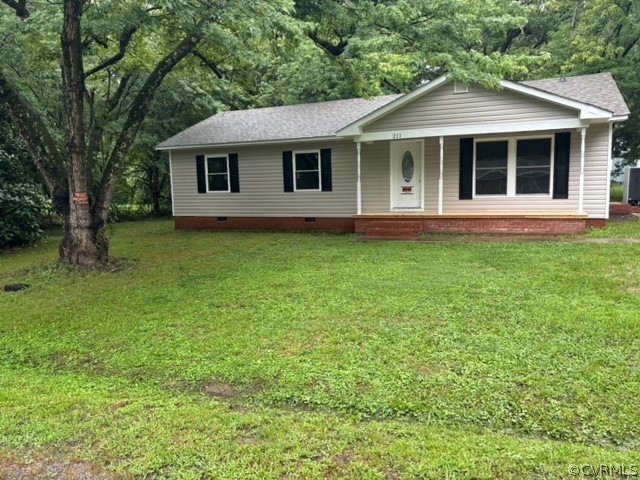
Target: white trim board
x,y
515,127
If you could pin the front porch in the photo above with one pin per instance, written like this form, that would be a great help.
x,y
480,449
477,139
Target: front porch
x,y
411,225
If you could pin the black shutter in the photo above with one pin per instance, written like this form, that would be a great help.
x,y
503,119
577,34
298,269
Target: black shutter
x,y
287,170
234,178
201,173
325,166
561,165
466,169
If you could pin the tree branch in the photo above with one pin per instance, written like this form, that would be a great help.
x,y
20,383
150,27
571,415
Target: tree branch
x,y
335,50
629,47
512,34
20,7
139,109
209,63
112,102
125,39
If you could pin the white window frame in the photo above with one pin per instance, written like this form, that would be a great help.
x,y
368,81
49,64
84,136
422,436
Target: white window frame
x,y
206,171
295,171
512,153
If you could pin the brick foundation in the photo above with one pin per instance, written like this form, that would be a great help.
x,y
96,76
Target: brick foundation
x,y
619,209
596,223
403,226
295,224
412,226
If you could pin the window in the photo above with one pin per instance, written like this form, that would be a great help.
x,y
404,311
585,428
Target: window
x,y
491,168
307,170
533,166
217,174
513,166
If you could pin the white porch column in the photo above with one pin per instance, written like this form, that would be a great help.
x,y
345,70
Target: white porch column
x,y
583,134
440,179
358,183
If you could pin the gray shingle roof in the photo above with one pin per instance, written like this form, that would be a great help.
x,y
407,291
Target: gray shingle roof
x,y
599,90
324,119
310,120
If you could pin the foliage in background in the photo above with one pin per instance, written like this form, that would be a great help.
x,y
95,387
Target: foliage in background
x,y
22,206
22,199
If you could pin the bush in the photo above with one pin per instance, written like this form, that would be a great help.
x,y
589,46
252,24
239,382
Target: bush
x,y
21,208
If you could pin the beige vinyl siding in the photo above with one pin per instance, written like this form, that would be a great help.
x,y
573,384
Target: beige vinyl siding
x,y
376,185
374,175
261,184
442,108
596,169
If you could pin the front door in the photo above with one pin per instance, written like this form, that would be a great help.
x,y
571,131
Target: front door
x,y
406,175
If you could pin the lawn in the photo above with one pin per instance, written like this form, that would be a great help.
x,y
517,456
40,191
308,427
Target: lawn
x,y
267,355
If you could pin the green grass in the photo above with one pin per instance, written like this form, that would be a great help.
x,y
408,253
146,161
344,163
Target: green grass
x,y
617,192
265,355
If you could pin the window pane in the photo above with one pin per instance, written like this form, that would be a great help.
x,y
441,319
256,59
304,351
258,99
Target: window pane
x,y
533,180
217,165
491,182
307,181
491,168
492,154
533,166
534,152
218,182
307,161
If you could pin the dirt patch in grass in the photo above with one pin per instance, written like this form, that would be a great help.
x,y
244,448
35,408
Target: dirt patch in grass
x,y
634,290
55,470
221,390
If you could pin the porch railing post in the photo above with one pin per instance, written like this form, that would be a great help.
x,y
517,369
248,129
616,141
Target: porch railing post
x,y
440,179
358,183
583,134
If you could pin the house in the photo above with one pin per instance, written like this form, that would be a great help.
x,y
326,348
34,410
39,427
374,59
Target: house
x,y
530,157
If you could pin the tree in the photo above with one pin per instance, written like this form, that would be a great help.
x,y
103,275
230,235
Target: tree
x,y
80,128
393,46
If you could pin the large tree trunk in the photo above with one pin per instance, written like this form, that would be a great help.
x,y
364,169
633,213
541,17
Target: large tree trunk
x,y
80,244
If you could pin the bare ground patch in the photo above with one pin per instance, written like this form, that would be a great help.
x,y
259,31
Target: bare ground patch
x,y
221,390
46,465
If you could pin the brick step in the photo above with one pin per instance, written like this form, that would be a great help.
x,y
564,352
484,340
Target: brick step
x,y
405,233
391,224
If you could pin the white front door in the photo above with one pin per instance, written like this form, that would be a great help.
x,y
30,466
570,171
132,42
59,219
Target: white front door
x,y
406,175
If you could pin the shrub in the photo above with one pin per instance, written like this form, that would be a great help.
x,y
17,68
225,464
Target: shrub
x,y
21,208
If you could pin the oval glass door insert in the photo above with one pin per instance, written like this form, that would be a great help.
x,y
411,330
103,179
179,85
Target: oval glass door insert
x,y
407,166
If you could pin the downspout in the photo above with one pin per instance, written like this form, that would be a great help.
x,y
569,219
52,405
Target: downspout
x,y
359,183
583,134
440,179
